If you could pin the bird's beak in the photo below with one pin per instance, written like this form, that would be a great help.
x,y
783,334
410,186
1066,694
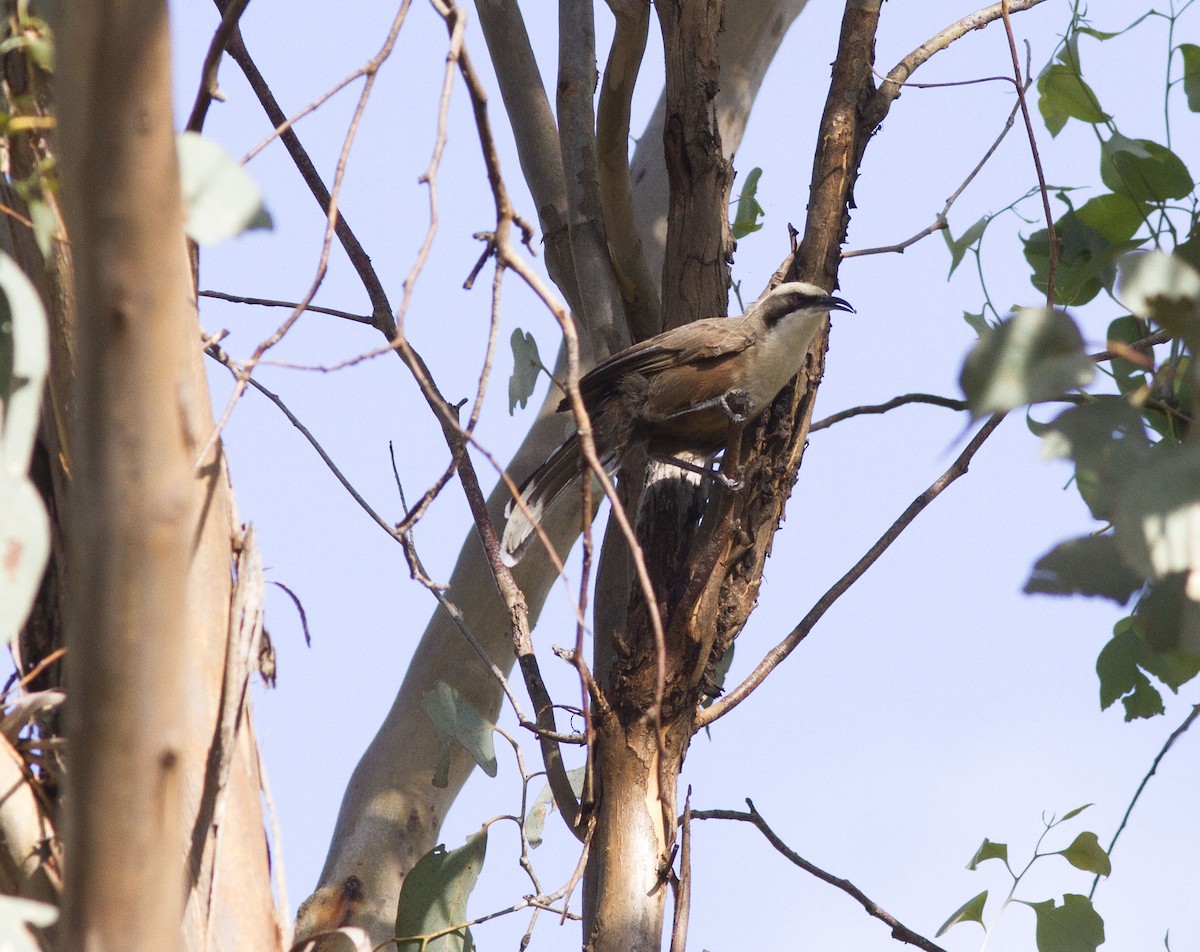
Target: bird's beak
x,y
837,304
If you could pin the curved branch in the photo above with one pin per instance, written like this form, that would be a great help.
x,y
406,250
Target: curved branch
x,y
777,654
900,932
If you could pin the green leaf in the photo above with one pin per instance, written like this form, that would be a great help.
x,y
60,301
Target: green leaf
x,y
1121,676
434,896
1157,515
1191,74
748,210
1086,566
1163,288
220,198
977,322
1086,853
1127,375
535,819
1143,170
1106,439
456,719
45,226
527,364
1116,217
989,850
969,911
959,246
1063,95
1071,814
16,916
1086,260
1169,623
1072,927
1037,354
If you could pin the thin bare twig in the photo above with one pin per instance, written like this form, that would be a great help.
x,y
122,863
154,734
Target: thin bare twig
x,y
291,305
941,222
777,654
890,88
1052,264
371,72
1175,735
381,308
900,932
875,408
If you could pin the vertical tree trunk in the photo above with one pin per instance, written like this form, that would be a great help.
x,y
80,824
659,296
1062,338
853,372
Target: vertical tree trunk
x,y
149,531
132,511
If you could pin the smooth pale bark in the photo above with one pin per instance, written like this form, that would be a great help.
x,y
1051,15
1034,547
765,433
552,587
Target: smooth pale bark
x,y
390,813
149,535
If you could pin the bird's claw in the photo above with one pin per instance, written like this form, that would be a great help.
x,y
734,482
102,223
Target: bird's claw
x,y
736,405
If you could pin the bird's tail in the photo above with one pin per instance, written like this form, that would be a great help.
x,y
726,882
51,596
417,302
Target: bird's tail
x,y
548,484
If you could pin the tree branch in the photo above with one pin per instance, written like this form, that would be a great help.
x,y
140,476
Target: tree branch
x,y
209,89
900,932
777,654
638,289
601,311
875,408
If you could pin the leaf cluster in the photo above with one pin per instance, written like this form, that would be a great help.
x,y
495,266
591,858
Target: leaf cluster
x,y
1136,463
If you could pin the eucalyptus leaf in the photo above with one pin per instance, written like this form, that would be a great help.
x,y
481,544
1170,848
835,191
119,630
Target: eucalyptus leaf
x,y
527,364
1106,439
1072,927
1086,853
1063,94
1157,515
1122,667
1037,354
535,819
434,896
24,360
1087,566
989,850
1070,814
220,198
1163,288
969,911
960,245
1191,74
1143,170
456,719
749,211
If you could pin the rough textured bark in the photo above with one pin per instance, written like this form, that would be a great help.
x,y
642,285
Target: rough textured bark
x,y
150,533
390,813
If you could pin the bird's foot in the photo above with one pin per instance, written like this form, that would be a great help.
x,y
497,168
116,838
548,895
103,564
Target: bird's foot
x,y
736,405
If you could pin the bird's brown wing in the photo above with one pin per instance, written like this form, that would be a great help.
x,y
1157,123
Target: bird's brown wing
x,y
703,339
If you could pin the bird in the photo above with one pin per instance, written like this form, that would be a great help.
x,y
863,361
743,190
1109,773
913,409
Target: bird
x,y
678,392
